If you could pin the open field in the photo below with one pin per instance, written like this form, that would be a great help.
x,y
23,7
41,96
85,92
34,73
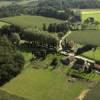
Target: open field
x,y
94,93
85,37
93,55
6,96
91,13
5,3
3,23
30,21
20,2
44,84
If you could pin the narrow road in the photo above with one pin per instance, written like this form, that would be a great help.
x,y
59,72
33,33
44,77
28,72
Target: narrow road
x,y
60,46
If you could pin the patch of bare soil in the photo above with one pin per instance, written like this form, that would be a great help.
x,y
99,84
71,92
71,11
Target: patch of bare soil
x,y
83,94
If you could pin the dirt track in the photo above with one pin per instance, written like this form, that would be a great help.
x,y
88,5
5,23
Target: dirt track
x,y
83,94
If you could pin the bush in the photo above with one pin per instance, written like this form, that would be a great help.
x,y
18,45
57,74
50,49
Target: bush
x,y
54,63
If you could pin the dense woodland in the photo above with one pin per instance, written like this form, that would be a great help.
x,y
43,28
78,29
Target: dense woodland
x,y
63,4
50,8
56,8
11,61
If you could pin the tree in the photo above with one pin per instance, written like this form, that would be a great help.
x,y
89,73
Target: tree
x,y
44,27
11,62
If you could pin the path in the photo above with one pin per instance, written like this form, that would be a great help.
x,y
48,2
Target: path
x,y
83,94
60,46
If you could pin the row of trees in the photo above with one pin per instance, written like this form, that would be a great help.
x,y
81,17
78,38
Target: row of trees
x,y
39,39
43,41
16,33
55,27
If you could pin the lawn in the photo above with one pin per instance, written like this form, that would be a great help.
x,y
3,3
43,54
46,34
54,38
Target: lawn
x,y
85,37
30,21
44,84
91,13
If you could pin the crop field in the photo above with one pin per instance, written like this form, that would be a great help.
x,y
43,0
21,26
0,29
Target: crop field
x,y
91,13
44,84
30,21
86,37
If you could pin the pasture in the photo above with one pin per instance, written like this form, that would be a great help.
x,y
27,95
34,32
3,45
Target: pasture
x,y
44,84
91,13
93,55
6,96
3,23
20,2
30,21
85,37
5,3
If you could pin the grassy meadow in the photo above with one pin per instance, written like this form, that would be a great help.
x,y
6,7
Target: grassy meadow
x,y
5,3
93,55
20,2
85,37
30,21
91,13
3,23
44,84
6,96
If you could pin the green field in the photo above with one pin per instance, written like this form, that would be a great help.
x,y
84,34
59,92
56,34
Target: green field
x,y
93,55
91,13
85,37
6,96
2,24
94,93
44,84
5,3
20,2
30,21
